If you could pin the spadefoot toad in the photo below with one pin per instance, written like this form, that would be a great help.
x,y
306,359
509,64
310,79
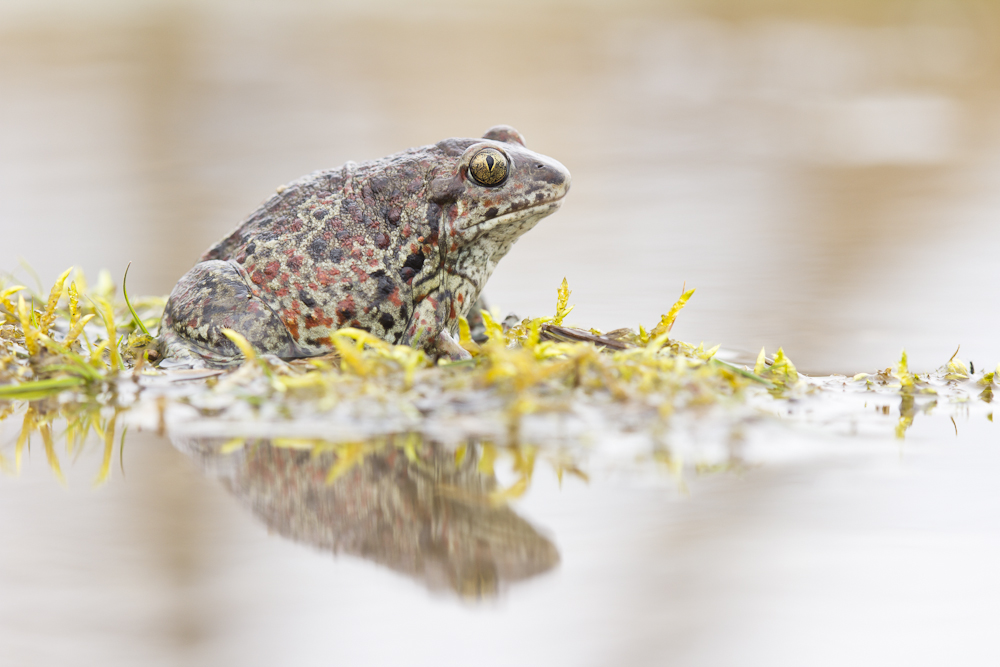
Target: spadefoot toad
x,y
400,247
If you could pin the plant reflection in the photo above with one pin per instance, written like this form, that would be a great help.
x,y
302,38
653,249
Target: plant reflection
x,y
82,420
434,514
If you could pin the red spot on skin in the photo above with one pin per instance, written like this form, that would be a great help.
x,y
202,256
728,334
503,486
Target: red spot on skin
x,y
293,327
318,318
453,247
382,240
295,226
370,252
327,276
258,278
282,292
271,270
433,302
360,273
451,312
461,298
394,298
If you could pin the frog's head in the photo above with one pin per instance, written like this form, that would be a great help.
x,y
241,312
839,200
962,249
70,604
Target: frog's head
x,y
495,192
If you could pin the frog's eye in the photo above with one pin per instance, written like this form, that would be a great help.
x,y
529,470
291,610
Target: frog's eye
x,y
488,167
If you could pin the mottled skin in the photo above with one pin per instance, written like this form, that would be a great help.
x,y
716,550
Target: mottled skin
x,y
400,247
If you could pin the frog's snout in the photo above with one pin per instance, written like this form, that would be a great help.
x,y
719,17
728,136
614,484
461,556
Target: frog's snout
x,y
553,176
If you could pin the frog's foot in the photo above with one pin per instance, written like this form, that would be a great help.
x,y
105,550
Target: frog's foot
x,y
477,327
213,296
446,347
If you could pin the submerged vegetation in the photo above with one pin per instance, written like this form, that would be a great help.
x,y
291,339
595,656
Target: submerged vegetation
x,y
80,358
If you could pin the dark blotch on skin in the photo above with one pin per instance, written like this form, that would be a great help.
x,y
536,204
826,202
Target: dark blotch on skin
x,y
415,261
382,240
320,214
385,284
307,300
387,321
491,213
344,314
433,214
336,255
317,249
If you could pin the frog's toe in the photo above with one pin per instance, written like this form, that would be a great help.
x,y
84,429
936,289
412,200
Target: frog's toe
x,y
214,296
446,347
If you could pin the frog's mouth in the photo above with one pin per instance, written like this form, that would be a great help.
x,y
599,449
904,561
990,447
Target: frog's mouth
x,y
508,220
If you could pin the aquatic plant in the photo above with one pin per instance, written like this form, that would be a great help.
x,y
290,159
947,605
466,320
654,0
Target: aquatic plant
x,y
80,357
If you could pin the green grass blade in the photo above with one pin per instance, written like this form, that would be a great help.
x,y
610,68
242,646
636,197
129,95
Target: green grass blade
x,y
742,371
135,315
39,388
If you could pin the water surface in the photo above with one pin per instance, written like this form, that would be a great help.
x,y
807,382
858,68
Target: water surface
x,y
825,173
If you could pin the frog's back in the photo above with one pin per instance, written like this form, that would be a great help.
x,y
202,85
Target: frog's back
x,y
343,247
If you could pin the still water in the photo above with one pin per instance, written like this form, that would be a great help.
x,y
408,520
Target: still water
x,y
826,175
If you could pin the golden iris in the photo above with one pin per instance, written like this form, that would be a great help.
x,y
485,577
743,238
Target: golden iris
x,y
488,167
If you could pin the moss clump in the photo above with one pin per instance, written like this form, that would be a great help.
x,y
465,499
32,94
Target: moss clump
x,y
78,356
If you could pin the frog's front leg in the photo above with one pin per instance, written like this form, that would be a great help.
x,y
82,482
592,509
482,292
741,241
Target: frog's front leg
x,y
213,296
428,329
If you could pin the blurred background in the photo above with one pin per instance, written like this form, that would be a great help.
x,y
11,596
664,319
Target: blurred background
x,y
826,173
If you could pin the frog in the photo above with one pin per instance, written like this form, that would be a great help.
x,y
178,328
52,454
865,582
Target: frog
x,y
400,247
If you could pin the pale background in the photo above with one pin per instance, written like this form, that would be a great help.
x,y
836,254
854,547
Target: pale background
x,y
827,174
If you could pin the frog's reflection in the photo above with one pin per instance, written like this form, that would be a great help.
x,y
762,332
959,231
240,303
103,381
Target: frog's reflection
x,y
418,511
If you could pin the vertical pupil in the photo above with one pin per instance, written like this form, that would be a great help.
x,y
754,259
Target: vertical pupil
x,y
489,162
